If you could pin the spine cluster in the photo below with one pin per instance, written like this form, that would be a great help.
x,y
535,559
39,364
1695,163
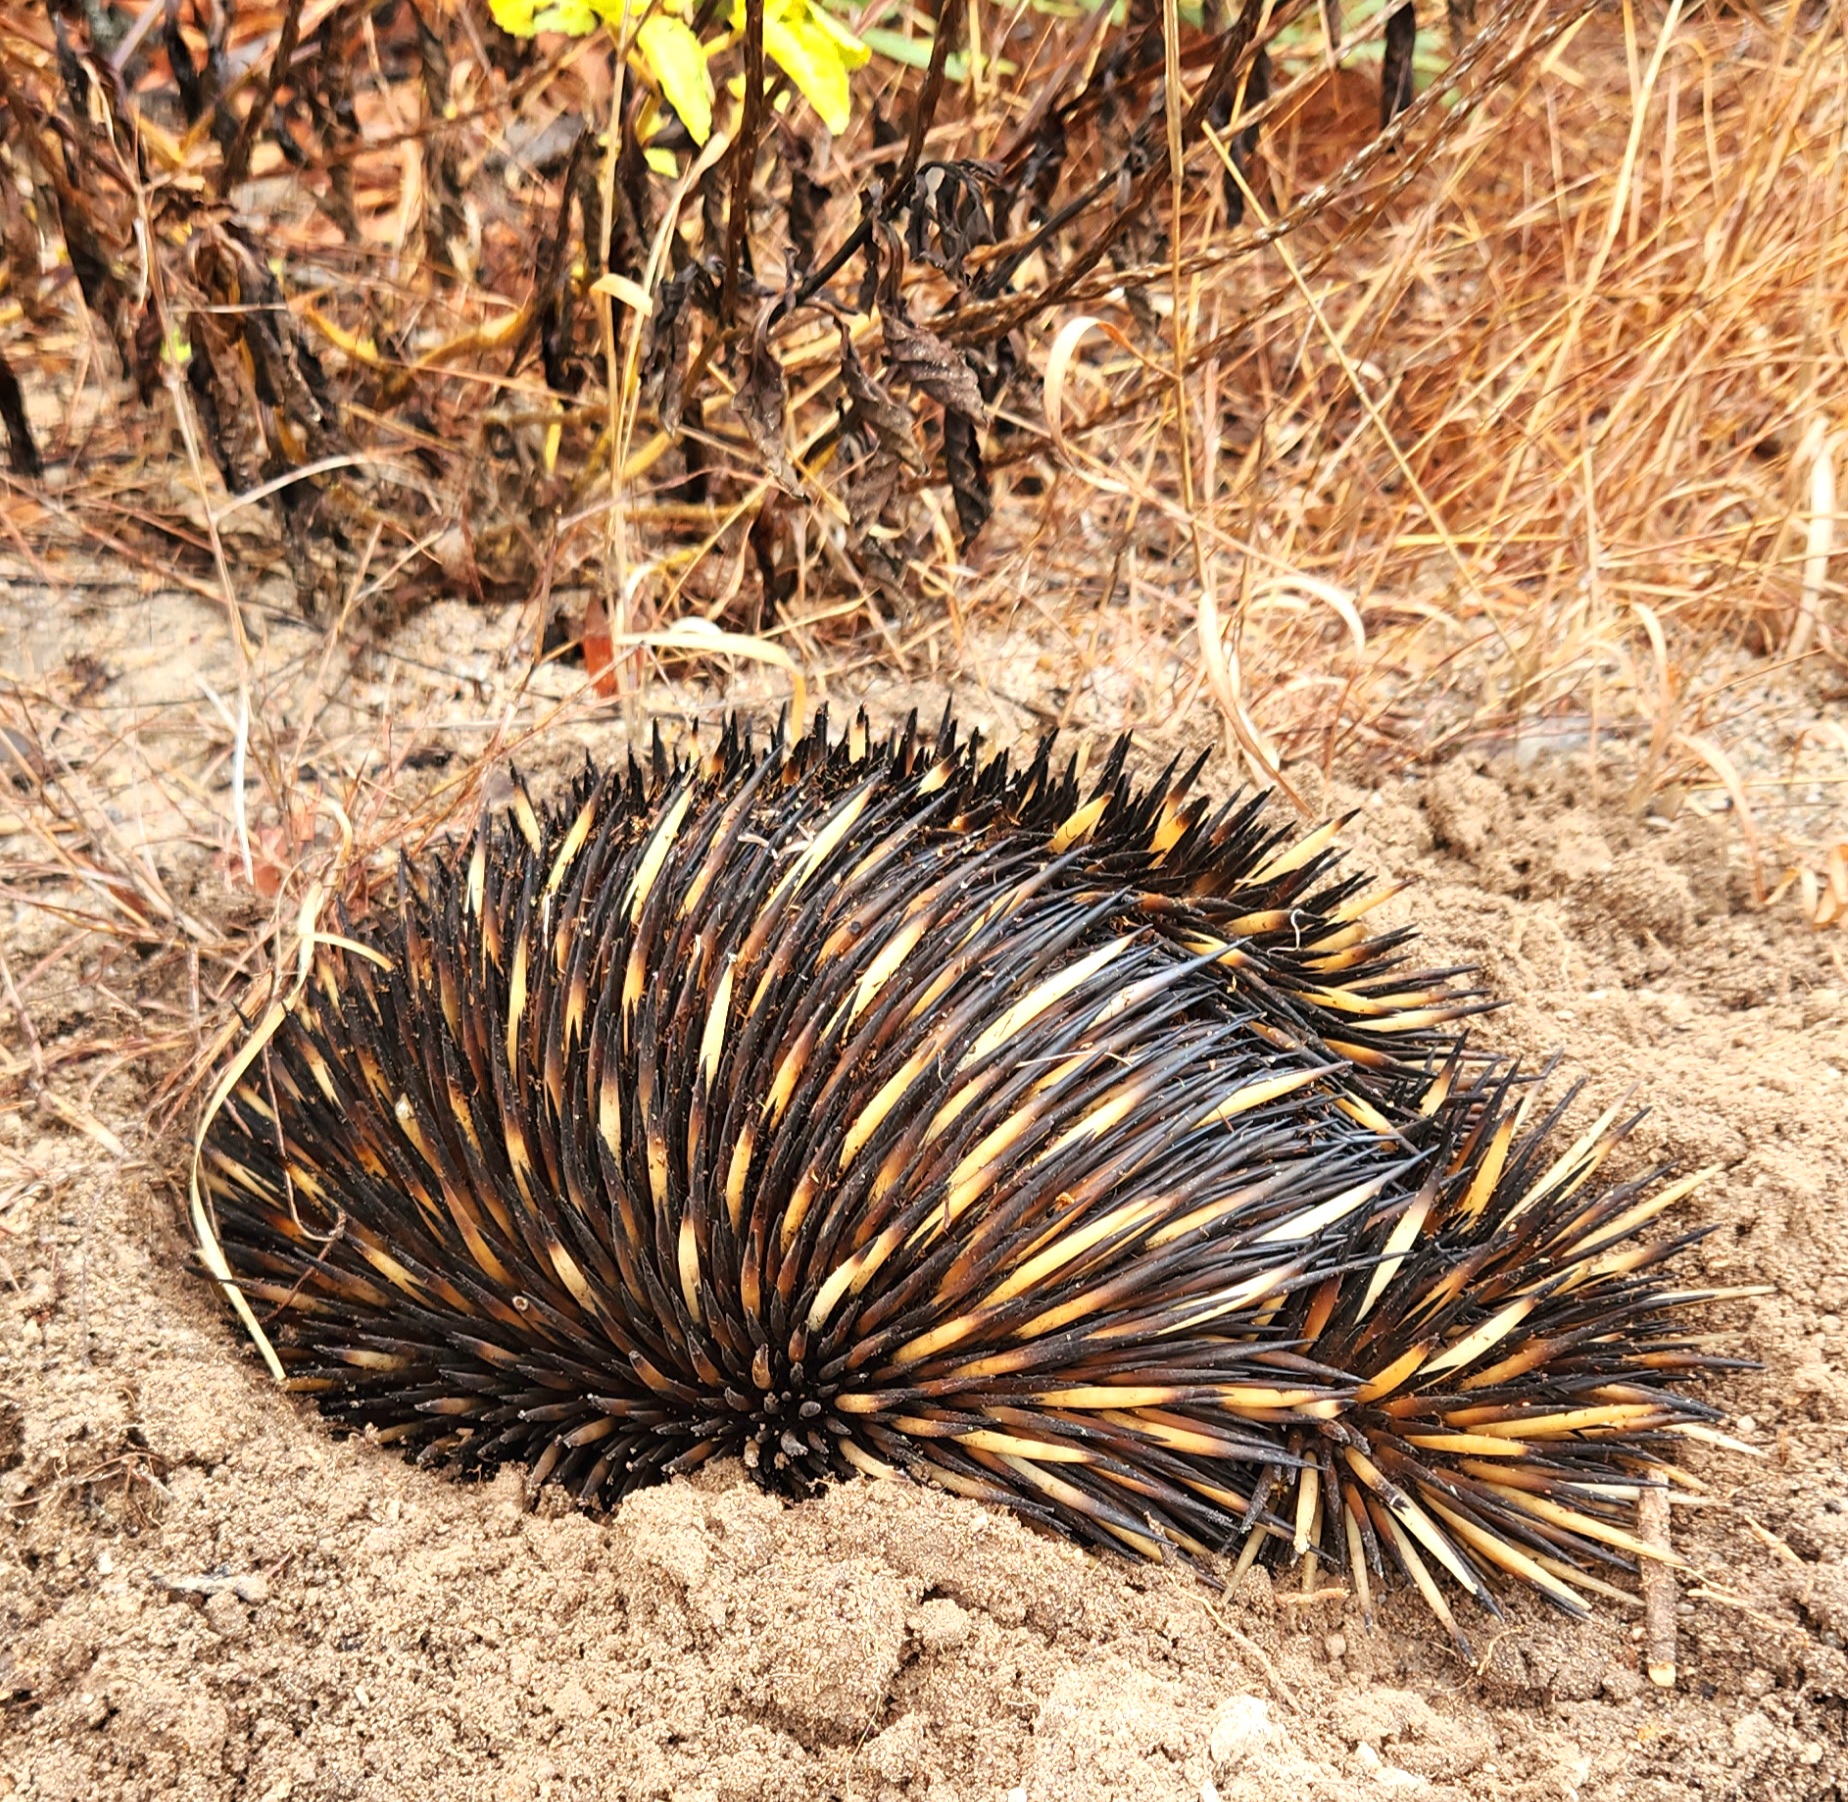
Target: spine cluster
x,y
858,1106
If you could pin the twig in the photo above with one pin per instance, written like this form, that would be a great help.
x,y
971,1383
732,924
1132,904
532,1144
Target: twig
x,y
239,729
1658,1580
744,160
237,158
949,27
1252,1650
27,1029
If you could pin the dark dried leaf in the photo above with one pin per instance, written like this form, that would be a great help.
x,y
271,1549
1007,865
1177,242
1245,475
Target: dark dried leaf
x,y
924,361
317,548
1139,46
1462,16
194,96
284,139
678,302
289,374
872,273
632,226
550,321
587,190
870,490
962,459
432,61
762,406
564,374
693,487
220,78
224,409
996,366
71,72
712,206
1396,88
779,580
873,414
237,137
1245,142
872,484
949,214
1045,160
147,353
807,199
442,162
21,451
884,566
327,88
93,266
741,165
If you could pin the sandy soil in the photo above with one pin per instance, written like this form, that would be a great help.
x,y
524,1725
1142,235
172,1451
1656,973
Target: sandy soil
x,y
204,1593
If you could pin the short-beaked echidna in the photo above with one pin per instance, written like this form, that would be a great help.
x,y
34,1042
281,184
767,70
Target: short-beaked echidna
x,y
861,1106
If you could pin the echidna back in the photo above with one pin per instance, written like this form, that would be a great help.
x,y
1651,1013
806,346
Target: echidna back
x,y
872,1107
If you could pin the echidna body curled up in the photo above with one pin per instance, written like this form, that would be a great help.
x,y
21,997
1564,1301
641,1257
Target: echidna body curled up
x,y
862,1106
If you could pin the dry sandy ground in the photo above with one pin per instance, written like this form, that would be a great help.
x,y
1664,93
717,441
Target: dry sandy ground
x,y
204,1593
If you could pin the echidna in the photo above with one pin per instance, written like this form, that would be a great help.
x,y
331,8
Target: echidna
x,y
875,1107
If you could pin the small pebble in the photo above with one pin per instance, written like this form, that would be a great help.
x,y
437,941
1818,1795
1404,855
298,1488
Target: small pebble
x,y
1241,1728
226,1615
941,1625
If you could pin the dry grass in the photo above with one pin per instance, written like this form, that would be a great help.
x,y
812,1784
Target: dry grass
x,y
1555,428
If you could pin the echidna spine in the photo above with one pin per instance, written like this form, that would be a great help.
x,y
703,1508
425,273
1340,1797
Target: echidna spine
x,y
860,1107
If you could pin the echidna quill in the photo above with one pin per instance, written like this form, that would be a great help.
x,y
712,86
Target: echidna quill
x,y
859,1106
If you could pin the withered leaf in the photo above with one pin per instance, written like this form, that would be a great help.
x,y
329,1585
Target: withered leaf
x,y
1396,88
884,567
949,214
870,490
22,453
1245,142
778,578
195,95
694,486
1040,178
872,409
807,200
93,266
762,406
670,339
147,352
224,410
926,362
962,458
75,76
